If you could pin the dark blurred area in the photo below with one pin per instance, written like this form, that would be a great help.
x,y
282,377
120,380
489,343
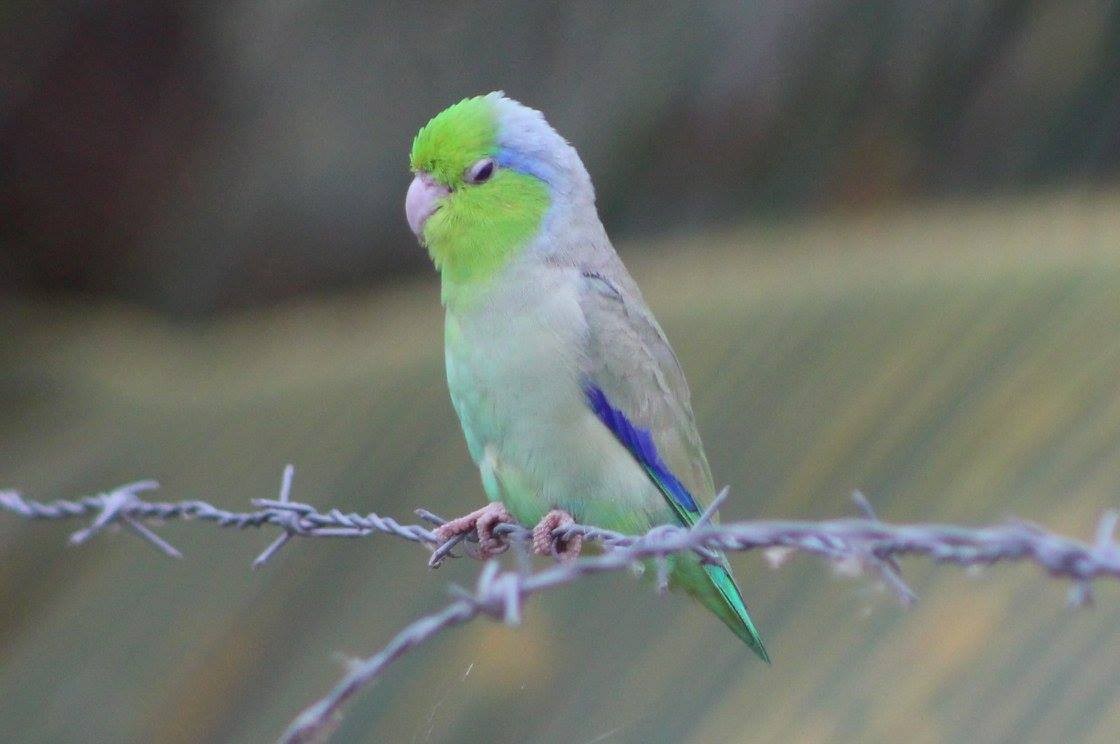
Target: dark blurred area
x,y
195,157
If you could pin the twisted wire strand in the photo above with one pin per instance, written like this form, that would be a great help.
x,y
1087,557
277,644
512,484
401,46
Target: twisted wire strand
x,y
862,544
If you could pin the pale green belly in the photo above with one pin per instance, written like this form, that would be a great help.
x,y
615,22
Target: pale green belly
x,y
515,383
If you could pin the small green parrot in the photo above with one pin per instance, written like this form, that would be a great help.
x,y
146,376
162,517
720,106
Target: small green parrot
x,y
573,404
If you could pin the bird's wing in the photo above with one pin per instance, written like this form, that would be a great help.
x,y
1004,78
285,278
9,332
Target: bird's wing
x,y
636,387
634,384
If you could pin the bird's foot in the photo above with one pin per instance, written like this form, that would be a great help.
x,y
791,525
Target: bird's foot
x,y
563,549
483,522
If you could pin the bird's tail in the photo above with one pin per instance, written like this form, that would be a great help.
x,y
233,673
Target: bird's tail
x,y
715,587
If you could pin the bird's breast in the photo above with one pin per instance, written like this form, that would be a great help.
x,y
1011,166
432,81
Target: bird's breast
x,y
514,373
513,363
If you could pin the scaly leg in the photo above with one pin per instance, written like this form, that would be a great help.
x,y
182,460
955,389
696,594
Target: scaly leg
x,y
483,522
544,544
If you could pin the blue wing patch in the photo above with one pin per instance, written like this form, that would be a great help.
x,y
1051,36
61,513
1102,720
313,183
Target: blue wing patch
x,y
640,444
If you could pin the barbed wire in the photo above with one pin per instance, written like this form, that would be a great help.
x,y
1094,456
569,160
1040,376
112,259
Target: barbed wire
x,y
861,544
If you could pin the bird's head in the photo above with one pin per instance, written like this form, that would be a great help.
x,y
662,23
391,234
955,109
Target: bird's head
x,y
488,173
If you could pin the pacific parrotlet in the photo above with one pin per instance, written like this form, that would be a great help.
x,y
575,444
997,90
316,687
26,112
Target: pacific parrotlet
x,y
573,404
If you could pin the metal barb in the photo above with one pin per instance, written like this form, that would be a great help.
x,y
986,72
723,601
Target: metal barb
x,y
1080,595
867,541
1106,530
713,508
142,530
864,506
429,517
444,551
290,523
115,506
662,575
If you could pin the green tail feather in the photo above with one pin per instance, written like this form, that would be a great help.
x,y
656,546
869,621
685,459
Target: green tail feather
x,y
714,586
733,611
711,584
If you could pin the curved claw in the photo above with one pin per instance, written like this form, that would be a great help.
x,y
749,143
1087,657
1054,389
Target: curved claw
x,y
483,521
564,550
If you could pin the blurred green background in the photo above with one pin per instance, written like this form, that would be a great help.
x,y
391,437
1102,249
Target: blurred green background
x,y
883,237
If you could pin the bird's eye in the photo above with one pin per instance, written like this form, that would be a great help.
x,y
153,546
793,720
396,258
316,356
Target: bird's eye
x,y
481,171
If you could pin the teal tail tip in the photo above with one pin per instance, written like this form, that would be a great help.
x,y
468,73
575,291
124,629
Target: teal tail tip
x,y
734,612
746,631
756,645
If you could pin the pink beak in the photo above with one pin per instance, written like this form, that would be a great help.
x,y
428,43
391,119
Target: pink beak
x,y
424,197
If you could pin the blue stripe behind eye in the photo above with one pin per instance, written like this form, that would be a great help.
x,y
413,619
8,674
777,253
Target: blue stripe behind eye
x,y
640,444
523,164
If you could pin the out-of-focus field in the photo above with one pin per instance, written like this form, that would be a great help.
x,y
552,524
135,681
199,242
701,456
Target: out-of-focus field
x,y
955,363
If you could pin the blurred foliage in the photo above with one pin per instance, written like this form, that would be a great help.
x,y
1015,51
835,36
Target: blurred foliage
x,y
202,156
957,364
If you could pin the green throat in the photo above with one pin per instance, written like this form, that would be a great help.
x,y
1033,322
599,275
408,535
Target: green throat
x,y
478,228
